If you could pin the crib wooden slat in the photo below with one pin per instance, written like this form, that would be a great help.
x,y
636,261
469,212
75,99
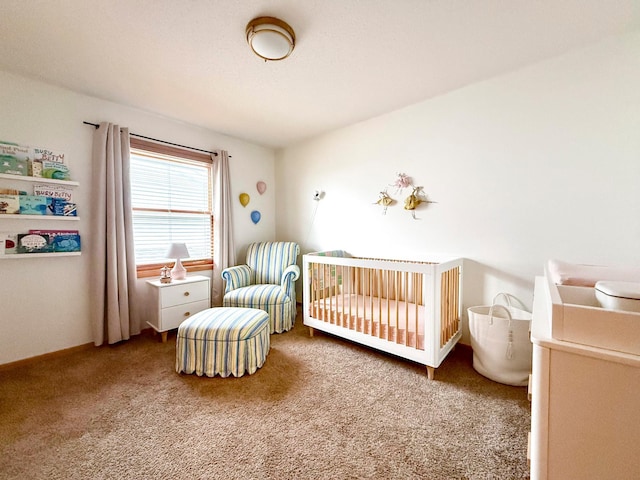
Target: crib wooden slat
x,y
324,295
388,314
393,319
454,301
443,305
406,307
340,292
447,305
313,295
357,298
350,284
317,285
416,311
446,314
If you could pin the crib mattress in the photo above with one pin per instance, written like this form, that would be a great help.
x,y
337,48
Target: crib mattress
x,y
396,321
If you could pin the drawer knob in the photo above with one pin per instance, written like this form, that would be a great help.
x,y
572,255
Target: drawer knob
x,y
186,294
186,314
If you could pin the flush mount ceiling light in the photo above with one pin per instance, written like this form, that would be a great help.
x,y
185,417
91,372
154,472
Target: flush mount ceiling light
x,y
270,38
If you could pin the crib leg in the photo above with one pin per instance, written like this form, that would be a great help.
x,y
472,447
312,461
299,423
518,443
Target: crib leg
x,y
431,372
311,331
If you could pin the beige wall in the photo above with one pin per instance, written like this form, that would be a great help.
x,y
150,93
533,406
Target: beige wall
x,y
537,164
44,302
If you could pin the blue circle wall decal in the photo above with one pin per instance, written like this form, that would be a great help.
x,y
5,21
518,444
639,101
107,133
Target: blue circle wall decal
x,y
255,216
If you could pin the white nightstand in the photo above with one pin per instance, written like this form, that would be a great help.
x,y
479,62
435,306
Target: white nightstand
x,y
178,300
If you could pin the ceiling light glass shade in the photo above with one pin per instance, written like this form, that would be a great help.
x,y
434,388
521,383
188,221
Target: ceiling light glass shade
x,y
270,38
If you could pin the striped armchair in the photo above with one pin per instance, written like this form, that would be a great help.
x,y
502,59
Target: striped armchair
x,y
267,282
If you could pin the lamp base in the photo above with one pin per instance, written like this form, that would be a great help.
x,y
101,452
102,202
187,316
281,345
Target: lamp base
x,y
178,272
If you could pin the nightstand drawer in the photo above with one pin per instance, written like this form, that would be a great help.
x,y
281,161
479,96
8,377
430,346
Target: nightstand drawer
x,y
189,292
172,317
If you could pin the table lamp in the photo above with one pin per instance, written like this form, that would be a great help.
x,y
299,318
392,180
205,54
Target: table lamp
x,y
178,251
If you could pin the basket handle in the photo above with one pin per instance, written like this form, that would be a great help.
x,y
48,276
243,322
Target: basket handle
x,y
509,352
495,305
506,297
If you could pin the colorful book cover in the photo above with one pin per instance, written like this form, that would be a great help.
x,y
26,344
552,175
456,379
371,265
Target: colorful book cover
x,y
53,191
9,204
32,243
34,205
19,152
55,170
63,208
13,166
15,159
66,243
8,243
61,240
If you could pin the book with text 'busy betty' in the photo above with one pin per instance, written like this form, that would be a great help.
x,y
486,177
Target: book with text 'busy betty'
x,y
54,191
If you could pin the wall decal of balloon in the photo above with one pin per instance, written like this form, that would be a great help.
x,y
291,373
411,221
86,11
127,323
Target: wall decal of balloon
x,y
244,199
261,186
255,216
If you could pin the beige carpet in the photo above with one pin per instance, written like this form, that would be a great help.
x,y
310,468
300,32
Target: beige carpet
x,y
320,408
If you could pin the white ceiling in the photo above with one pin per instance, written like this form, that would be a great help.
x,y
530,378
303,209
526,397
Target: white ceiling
x,y
354,59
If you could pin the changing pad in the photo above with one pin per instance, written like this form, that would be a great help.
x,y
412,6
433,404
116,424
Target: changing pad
x,y
564,273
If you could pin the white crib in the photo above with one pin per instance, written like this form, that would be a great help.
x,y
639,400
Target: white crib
x,y
406,308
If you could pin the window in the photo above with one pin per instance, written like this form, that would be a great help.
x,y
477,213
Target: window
x,y
171,202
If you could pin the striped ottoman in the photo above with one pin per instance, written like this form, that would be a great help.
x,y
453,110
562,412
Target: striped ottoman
x,y
223,341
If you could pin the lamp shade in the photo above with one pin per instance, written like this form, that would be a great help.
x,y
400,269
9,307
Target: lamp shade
x,y
270,38
178,250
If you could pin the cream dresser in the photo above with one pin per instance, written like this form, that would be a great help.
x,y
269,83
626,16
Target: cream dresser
x,y
176,301
585,388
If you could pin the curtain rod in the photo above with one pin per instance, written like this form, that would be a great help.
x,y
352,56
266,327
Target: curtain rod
x,y
161,141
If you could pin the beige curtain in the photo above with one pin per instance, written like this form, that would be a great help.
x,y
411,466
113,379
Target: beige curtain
x,y
113,276
223,245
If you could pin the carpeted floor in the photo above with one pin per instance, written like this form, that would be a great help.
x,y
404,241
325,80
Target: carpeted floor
x,y
320,408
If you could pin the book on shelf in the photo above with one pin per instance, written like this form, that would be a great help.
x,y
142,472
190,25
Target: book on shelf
x,y
63,208
9,204
33,243
42,156
23,160
13,166
8,243
54,191
61,240
46,155
35,205
14,159
19,152
12,191
55,170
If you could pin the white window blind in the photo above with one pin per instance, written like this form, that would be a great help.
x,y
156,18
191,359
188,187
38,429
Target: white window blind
x,y
171,202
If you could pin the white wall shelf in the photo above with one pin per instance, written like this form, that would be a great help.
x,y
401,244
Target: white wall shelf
x,y
12,256
37,218
25,178
19,216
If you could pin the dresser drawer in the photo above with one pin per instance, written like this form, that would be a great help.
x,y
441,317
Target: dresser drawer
x,y
172,317
189,292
